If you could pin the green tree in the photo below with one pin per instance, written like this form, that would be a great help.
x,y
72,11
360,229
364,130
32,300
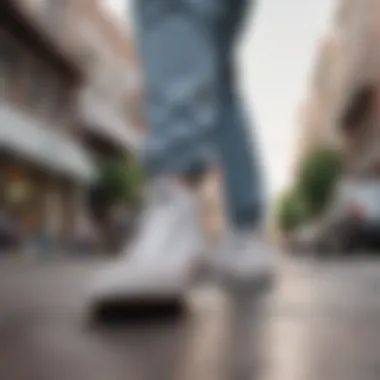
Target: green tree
x,y
291,211
119,181
318,174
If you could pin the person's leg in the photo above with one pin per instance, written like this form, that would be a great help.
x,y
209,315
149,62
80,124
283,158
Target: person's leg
x,y
238,154
179,72
241,168
178,67
245,249
186,50
178,63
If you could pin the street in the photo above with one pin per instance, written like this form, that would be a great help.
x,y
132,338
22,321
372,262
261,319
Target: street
x,y
321,321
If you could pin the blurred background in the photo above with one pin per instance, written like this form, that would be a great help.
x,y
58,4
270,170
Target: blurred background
x,y
71,126
72,122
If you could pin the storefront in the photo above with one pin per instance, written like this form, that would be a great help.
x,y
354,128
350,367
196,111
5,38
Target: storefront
x,y
19,195
40,203
41,171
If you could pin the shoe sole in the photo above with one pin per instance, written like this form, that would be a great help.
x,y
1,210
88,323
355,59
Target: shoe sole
x,y
116,311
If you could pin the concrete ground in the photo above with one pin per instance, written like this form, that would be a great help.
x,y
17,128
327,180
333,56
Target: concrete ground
x,y
321,321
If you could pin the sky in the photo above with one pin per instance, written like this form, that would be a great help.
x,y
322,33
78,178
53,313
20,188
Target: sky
x,y
275,57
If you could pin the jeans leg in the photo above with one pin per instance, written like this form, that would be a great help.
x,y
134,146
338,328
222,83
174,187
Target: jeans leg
x,y
178,61
240,167
238,158
186,49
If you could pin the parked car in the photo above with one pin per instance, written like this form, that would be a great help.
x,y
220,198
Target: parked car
x,y
352,221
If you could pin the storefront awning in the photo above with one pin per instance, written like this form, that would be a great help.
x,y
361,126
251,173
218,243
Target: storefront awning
x,y
43,145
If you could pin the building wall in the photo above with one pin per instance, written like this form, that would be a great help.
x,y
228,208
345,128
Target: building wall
x,y
38,86
75,45
359,36
356,25
110,60
30,82
347,59
317,112
112,85
56,20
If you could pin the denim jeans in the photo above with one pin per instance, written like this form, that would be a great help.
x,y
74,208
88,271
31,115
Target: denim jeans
x,y
193,112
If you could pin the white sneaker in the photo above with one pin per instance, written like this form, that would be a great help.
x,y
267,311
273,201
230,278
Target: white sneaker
x,y
172,216
246,256
168,237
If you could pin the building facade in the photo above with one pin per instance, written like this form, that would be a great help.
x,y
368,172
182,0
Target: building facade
x,y
69,92
358,112
317,111
109,115
42,164
344,104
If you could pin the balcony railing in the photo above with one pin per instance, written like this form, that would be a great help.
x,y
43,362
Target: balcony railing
x,y
99,117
